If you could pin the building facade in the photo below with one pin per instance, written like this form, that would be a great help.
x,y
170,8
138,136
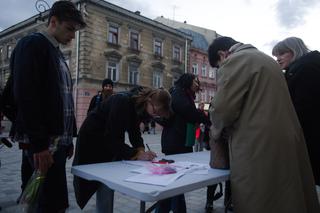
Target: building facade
x,y
198,63
118,44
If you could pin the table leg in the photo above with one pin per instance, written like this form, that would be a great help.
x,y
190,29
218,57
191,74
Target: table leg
x,y
105,197
142,207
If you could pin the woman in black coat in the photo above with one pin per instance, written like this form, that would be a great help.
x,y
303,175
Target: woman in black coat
x,y
174,134
302,68
102,135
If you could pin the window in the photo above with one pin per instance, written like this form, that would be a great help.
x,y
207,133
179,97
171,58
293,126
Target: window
x,y
133,74
113,36
112,70
9,50
204,70
157,79
211,94
203,96
158,47
176,53
212,72
134,40
195,69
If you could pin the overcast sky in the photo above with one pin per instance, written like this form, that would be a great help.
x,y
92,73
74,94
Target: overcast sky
x,y
259,22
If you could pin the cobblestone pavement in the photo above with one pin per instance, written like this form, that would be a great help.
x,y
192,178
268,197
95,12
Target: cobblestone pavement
x,y
10,186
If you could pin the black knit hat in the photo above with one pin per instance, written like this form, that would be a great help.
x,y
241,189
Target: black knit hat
x,y
221,43
67,11
107,81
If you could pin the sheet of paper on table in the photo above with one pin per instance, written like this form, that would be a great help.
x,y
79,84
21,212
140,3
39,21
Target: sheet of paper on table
x,y
182,168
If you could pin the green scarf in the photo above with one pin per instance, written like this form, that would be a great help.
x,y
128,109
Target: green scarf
x,y
191,134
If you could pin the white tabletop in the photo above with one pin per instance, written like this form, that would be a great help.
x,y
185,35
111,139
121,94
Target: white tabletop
x,y
113,174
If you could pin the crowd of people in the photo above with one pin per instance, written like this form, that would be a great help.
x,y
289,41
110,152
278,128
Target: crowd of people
x,y
270,117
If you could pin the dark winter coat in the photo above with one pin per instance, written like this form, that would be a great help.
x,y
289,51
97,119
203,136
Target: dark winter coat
x,y
35,69
102,139
95,101
303,78
174,132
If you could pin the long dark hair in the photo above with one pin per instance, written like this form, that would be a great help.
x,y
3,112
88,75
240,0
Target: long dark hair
x,y
185,81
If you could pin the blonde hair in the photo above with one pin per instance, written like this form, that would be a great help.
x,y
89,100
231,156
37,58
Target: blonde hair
x,y
291,44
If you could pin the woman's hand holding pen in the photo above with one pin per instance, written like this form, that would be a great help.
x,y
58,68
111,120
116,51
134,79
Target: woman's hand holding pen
x,y
148,155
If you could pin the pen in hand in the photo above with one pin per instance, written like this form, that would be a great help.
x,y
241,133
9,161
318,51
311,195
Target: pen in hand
x,y
148,147
152,154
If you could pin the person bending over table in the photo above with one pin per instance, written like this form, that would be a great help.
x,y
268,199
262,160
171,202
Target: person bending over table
x,y
102,134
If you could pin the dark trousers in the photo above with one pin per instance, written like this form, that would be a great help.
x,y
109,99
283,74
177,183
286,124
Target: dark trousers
x,y
177,204
212,195
26,169
54,193
227,194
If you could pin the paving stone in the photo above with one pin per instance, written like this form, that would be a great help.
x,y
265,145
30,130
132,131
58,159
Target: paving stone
x,y
10,186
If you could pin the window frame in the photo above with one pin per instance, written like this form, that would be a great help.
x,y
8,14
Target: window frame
x,y
203,96
174,55
157,78
113,34
195,69
212,72
136,74
204,70
131,40
9,51
158,47
114,75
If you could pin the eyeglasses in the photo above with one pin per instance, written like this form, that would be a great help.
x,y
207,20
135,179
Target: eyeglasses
x,y
154,109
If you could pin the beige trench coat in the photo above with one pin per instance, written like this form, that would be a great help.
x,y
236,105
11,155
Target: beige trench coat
x,y
270,169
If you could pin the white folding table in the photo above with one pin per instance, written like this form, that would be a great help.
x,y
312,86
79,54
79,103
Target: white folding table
x,y
112,175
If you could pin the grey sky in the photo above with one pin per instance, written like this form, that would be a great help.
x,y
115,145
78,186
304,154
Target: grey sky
x,y
15,11
259,22
291,13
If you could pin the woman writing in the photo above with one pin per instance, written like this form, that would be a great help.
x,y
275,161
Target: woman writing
x,y
102,134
